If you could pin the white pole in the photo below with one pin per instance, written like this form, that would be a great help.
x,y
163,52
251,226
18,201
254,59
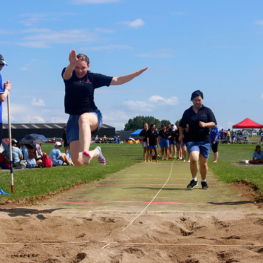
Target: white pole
x,y
10,143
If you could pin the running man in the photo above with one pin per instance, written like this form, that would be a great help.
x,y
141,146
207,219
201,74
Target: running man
x,y
85,119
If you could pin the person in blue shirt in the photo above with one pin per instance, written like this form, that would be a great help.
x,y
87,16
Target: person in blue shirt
x,y
233,134
4,89
214,137
57,157
257,155
16,153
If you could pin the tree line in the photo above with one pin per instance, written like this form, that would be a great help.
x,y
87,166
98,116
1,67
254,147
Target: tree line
x,y
138,122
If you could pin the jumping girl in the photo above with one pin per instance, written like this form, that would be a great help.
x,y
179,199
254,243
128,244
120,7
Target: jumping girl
x,y
85,119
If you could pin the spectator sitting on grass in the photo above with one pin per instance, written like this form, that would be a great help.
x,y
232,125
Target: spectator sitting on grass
x,y
25,151
257,155
57,157
31,161
16,153
38,153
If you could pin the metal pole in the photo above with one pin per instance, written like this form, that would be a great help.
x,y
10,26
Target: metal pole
x,y
10,143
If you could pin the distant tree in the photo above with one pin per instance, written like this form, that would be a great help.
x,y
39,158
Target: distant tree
x,y
177,122
138,123
165,122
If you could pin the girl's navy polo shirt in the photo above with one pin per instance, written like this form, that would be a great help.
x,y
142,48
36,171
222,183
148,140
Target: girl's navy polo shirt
x,y
197,133
143,133
153,136
164,134
79,96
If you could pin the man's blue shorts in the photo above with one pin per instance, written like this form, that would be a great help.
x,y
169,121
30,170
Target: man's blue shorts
x,y
164,143
73,126
203,147
57,162
171,142
152,147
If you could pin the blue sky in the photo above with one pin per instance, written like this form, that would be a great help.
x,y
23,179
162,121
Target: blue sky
x,y
214,46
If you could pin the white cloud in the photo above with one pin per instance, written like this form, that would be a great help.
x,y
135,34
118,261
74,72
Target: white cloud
x,y
137,106
81,2
262,96
5,32
135,24
154,102
259,22
115,116
39,102
21,113
45,37
109,47
229,125
31,19
162,53
104,30
25,69
170,101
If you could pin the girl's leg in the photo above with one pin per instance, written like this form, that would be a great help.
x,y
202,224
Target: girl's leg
x,y
149,153
162,152
184,153
181,147
178,150
203,167
156,155
144,154
76,153
194,157
150,156
166,152
88,122
215,157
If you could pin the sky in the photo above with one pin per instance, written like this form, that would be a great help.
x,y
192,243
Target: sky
x,y
214,46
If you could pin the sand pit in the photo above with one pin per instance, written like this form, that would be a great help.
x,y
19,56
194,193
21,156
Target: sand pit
x,y
90,224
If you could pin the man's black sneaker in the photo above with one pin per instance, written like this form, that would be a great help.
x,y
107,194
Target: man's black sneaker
x,y
204,185
192,184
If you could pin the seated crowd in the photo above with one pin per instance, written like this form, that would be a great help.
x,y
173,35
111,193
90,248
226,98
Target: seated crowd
x,y
31,155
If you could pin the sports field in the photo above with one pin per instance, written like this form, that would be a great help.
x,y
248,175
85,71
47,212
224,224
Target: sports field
x,y
137,212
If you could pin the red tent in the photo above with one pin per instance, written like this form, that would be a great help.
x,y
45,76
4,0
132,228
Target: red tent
x,y
247,123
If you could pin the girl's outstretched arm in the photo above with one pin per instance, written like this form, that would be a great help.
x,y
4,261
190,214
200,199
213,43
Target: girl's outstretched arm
x,y
73,60
126,78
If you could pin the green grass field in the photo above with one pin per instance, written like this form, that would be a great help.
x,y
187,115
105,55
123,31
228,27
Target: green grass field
x,y
30,184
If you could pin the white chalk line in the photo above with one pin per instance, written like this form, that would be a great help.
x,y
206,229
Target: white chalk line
x,y
152,199
164,244
146,206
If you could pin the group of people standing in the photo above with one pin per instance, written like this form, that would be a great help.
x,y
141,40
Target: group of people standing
x,y
193,135
168,140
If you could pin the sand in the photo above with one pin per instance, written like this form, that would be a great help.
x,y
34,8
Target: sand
x,y
184,232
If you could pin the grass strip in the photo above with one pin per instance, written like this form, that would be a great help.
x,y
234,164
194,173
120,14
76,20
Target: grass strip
x,y
30,184
231,153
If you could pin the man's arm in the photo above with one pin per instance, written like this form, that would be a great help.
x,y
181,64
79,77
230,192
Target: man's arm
x,y
126,78
7,88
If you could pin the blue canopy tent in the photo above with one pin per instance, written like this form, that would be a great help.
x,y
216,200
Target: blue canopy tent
x,y
136,133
